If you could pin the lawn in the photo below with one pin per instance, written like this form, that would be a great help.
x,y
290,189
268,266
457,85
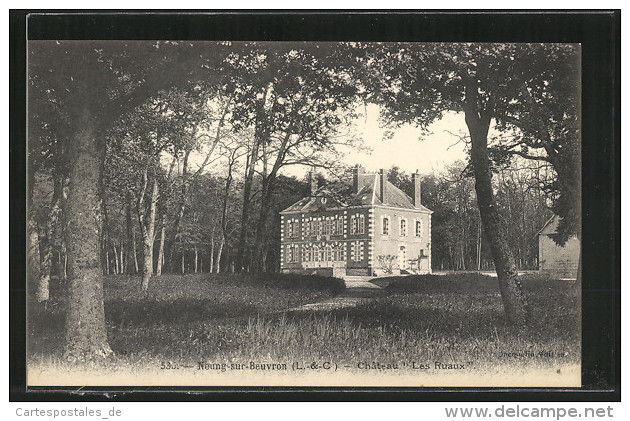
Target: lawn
x,y
180,316
455,319
421,325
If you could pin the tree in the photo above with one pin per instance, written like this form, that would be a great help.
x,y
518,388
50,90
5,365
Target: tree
x,y
166,124
86,334
545,127
294,100
47,166
416,83
95,83
306,122
232,152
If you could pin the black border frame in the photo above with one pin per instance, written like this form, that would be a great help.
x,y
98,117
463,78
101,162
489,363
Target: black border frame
x,y
599,32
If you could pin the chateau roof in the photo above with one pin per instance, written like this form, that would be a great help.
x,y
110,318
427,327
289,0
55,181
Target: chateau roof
x,y
369,194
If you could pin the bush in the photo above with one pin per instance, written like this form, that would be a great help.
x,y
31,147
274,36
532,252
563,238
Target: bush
x,y
464,282
442,283
387,263
297,281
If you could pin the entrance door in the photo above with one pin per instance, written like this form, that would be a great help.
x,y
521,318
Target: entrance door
x,y
402,257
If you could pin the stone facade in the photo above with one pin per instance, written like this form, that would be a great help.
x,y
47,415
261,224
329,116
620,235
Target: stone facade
x,y
371,228
408,238
555,260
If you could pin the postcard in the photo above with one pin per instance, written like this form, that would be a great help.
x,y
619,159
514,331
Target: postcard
x,y
206,213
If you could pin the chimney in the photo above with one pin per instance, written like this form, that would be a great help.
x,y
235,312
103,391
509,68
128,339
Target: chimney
x,y
383,184
417,189
357,171
313,181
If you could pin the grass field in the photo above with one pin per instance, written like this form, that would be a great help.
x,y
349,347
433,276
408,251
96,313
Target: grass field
x,y
180,315
418,321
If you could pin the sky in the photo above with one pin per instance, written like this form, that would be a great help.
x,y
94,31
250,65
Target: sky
x,y
410,149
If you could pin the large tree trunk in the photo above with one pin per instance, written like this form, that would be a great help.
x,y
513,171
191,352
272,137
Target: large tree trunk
x,y
160,261
211,253
58,222
65,261
479,248
105,237
148,237
32,268
106,262
247,189
260,249
180,212
34,271
514,300
121,257
45,260
86,332
196,259
116,265
260,137
261,227
226,195
217,261
132,255
46,235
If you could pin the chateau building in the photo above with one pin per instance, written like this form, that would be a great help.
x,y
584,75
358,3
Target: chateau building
x,y
370,228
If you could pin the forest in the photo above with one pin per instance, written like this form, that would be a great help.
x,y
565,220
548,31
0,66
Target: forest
x,y
146,158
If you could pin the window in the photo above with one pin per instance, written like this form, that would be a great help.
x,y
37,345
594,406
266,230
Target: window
x,y
403,227
315,253
385,225
292,253
293,228
418,228
338,253
328,254
356,251
357,221
330,226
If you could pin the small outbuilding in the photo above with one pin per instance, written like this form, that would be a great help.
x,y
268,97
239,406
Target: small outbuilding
x,y
556,260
